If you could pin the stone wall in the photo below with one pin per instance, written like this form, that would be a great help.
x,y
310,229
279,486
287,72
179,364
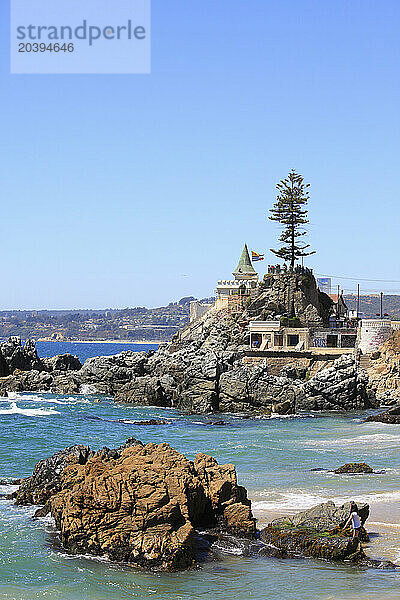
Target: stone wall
x,y
373,333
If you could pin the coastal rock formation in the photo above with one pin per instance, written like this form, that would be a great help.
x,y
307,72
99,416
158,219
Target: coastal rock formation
x,y
62,362
204,369
139,505
252,389
317,532
342,386
391,417
65,374
354,468
200,378
14,356
45,480
46,477
384,370
307,302
325,517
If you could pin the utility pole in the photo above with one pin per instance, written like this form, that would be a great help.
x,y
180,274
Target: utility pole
x,y
338,294
381,305
358,300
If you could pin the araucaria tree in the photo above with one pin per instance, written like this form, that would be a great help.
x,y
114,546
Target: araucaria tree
x,y
289,210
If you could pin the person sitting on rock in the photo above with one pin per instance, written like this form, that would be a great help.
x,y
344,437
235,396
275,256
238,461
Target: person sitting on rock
x,y
355,521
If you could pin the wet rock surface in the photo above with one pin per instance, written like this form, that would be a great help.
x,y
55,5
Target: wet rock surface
x,y
151,507
318,533
353,468
138,504
391,417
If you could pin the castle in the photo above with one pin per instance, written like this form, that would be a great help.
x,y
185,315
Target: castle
x,y
341,333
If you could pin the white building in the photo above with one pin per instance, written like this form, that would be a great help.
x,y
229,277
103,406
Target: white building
x,y
372,333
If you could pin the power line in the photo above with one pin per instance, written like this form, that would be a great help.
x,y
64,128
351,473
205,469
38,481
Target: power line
x,y
359,278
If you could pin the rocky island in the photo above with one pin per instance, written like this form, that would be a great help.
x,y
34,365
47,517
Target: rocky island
x,y
209,367
152,508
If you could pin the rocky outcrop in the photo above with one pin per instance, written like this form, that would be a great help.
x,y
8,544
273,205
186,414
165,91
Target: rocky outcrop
x,y
300,542
62,362
252,389
343,386
391,417
353,468
204,369
13,356
138,504
46,478
65,374
151,507
296,292
325,517
318,533
201,378
384,370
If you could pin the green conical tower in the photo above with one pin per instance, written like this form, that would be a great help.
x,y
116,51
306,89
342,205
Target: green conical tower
x,y
245,269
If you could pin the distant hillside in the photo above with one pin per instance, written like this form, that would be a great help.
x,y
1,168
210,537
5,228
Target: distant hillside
x,y
138,323
370,305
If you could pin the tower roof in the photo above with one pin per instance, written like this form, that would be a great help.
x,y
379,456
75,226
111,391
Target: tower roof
x,y
245,267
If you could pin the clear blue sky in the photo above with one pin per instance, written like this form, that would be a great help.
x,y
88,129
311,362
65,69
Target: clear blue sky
x,y
125,190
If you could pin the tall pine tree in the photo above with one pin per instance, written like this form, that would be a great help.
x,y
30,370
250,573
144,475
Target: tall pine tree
x,y
289,210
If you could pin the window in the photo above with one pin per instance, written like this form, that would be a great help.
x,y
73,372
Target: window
x,y
256,339
332,341
292,340
278,339
348,341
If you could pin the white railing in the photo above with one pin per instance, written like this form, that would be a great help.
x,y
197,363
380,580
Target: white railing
x,y
376,323
264,326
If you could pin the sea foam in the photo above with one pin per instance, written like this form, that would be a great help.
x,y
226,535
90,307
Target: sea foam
x,y
28,412
295,500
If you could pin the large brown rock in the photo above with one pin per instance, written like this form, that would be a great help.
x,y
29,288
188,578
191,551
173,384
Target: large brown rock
x,y
143,504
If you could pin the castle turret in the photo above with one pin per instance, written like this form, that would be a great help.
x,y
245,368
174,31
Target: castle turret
x,y
234,292
245,270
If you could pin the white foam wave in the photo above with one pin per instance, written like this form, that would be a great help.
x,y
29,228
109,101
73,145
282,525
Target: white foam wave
x,y
28,412
376,440
288,501
88,388
8,489
48,521
64,555
295,500
33,398
382,524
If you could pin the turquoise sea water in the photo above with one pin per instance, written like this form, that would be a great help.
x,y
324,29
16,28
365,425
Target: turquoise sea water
x,y
273,459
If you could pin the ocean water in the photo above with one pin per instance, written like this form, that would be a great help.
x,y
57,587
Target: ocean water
x,y
84,350
273,457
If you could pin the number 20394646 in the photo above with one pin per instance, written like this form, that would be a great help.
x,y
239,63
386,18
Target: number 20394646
x,y
27,47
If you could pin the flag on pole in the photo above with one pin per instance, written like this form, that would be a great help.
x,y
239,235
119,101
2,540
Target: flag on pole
x,y
256,256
